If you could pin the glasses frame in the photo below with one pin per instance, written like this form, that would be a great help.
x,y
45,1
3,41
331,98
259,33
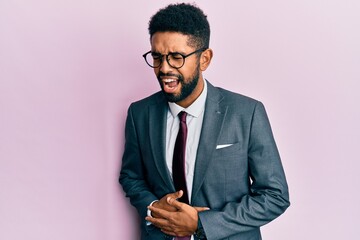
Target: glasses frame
x,y
167,57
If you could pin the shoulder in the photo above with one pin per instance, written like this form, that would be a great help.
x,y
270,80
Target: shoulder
x,y
238,106
241,104
230,98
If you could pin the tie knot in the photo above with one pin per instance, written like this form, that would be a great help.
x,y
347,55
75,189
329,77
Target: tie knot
x,y
182,116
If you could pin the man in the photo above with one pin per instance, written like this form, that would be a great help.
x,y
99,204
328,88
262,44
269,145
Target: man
x,y
212,173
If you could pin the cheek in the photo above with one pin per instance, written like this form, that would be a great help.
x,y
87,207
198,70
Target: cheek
x,y
187,74
156,71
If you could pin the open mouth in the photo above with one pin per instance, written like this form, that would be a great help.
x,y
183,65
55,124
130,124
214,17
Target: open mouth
x,y
170,84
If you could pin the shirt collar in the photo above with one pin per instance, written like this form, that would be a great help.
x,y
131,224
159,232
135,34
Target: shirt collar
x,y
195,109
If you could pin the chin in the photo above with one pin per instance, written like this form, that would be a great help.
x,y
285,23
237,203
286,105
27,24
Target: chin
x,y
172,98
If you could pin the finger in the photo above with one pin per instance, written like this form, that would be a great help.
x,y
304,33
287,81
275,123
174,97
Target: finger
x,y
158,222
158,211
175,233
176,195
175,203
163,224
179,194
201,209
171,233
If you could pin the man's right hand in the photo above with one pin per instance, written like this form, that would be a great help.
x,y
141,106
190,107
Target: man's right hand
x,y
180,220
163,203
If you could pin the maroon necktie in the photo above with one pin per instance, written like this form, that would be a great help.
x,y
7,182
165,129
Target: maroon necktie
x,y
178,167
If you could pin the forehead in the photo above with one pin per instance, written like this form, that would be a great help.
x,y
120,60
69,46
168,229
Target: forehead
x,y
164,42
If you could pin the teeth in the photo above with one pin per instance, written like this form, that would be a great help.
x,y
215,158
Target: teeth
x,y
169,80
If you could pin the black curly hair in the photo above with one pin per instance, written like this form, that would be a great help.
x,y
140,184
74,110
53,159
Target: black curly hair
x,y
185,18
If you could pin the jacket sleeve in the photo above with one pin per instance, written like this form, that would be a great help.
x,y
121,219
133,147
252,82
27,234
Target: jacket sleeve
x,y
268,194
132,173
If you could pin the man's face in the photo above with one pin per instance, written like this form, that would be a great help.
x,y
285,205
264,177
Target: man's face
x,y
179,85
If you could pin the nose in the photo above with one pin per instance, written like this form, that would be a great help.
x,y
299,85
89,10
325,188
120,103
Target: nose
x,y
164,66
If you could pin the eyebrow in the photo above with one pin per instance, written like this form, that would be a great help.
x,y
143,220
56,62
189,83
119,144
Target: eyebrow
x,y
157,53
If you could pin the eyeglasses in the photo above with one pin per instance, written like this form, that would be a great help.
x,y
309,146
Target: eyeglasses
x,y
174,59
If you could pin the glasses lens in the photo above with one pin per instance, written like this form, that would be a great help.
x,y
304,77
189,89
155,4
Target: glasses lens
x,y
176,60
153,60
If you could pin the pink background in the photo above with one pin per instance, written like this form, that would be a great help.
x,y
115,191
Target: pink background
x,y
69,70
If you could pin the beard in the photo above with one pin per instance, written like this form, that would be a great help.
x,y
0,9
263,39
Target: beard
x,y
186,87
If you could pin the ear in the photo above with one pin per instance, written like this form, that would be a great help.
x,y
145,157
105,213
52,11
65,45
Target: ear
x,y
205,59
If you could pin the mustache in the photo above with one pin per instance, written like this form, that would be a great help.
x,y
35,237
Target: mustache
x,y
161,74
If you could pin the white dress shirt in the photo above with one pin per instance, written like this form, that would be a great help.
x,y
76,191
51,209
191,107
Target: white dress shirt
x,y
194,120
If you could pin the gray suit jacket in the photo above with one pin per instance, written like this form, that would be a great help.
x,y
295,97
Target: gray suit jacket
x,y
244,184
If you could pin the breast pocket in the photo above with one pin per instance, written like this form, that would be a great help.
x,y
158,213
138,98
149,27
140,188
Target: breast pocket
x,y
230,157
231,163
227,149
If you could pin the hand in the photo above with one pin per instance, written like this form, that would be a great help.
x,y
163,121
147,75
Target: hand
x,y
163,204
181,223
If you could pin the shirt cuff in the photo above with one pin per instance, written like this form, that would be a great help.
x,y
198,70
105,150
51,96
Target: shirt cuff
x,y
148,213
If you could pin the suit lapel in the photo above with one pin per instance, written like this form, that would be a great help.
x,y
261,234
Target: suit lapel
x,y
157,130
214,116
